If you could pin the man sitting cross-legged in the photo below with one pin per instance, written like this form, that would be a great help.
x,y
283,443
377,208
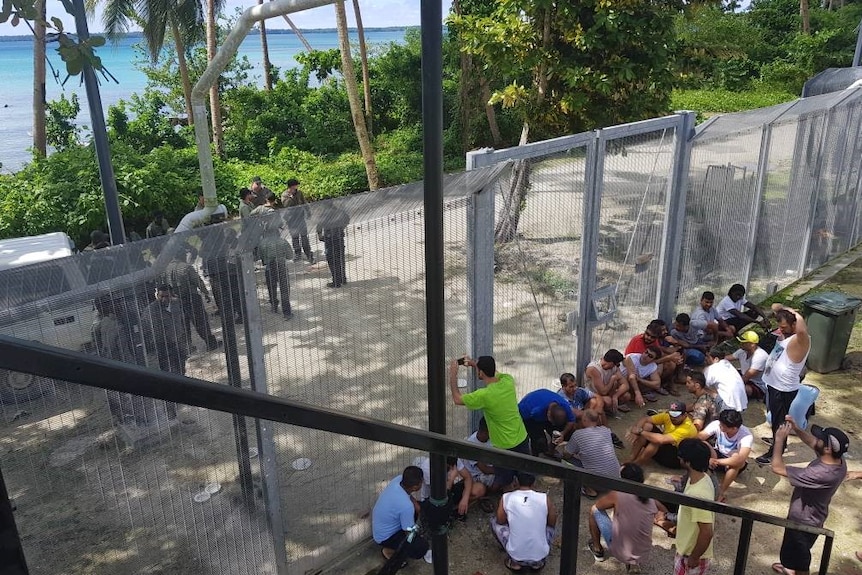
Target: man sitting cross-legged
x,y
603,377
578,398
703,409
641,372
657,436
394,515
732,447
730,310
544,412
669,359
752,361
524,525
592,447
688,338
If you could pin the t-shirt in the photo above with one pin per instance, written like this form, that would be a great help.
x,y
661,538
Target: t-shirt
x,y
729,445
534,406
643,371
527,515
393,512
704,408
757,361
632,528
424,463
688,518
581,399
595,449
471,466
723,377
500,405
690,337
679,432
813,488
700,317
726,304
636,345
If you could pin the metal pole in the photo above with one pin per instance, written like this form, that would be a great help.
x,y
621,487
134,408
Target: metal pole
x,y
826,556
268,457
757,202
742,547
432,136
571,515
589,254
857,55
675,217
12,560
100,135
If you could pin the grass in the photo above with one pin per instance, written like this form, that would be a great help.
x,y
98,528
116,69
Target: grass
x,y
720,101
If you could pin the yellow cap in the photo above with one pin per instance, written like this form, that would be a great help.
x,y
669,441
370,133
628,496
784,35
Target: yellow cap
x,y
749,337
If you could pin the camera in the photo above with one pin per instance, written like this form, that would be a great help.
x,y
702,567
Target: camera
x,y
461,360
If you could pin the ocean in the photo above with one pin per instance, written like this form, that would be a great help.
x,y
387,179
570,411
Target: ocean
x,y
16,77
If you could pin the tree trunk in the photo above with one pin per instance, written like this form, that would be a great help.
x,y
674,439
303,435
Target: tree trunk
x,y
184,68
40,140
464,91
215,98
349,74
366,77
490,112
806,18
298,33
515,197
264,48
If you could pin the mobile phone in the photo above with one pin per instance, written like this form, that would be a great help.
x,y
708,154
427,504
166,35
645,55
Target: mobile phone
x,y
460,361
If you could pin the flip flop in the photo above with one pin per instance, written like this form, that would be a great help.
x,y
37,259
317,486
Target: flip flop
x,y
662,391
623,408
587,494
650,398
782,570
511,565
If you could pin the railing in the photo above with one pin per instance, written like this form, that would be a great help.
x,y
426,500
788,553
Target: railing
x,y
38,359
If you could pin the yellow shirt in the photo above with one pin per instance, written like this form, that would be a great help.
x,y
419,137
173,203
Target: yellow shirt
x,y
679,432
686,526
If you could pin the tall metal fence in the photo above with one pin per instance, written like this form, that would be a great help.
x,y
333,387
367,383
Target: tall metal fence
x,y
554,252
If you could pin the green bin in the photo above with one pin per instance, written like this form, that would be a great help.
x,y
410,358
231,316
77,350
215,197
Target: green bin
x,y
830,317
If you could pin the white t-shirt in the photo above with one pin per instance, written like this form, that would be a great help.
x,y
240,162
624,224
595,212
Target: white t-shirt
x,y
725,305
781,373
643,371
527,514
424,463
729,445
757,361
471,466
724,377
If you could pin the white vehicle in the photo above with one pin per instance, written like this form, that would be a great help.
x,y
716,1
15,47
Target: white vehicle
x,y
34,271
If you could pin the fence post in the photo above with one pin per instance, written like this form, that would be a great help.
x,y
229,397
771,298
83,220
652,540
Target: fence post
x,y
571,514
675,217
12,560
808,238
757,202
265,440
742,546
589,253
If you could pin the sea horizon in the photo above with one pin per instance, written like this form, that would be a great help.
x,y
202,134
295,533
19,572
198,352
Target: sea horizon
x,y
16,75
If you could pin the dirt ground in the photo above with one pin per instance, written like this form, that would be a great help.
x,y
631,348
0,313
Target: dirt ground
x,y
473,549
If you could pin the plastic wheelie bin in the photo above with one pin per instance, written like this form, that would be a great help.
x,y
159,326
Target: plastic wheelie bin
x,y
830,317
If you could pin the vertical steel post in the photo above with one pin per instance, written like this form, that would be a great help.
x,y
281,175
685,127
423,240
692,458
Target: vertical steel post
x,y
100,135
592,208
826,556
857,54
742,546
12,560
757,202
268,457
571,520
808,238
432,138
675,217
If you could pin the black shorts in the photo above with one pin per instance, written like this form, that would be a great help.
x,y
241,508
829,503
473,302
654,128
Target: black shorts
x,y
796,550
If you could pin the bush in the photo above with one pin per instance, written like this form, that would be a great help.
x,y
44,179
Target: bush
x,y
725,101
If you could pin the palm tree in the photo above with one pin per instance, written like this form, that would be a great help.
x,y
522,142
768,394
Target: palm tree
x,y
349,74
363,56
267,69
213,8
183,18
40,140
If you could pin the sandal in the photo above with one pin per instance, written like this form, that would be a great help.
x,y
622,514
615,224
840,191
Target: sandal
x,y
782,570
587,494
624,408
650,397
662,391
487,505
511,565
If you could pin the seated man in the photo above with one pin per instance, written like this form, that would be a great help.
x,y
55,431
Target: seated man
x,y
730,309
723,377
482,473
603,378
687,338
732,447
592,447
641,371
669,359
544,412
703,409
394,515
524,525
705,319
752,362
657,436
459,484
578,398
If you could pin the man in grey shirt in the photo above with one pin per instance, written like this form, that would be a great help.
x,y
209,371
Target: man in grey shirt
x,y
592,448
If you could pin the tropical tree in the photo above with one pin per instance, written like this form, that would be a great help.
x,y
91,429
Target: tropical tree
x,y
213,9
363,57
349,75
264,48
40,143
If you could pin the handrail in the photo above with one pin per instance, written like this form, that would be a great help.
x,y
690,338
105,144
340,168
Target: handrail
x,y
94,371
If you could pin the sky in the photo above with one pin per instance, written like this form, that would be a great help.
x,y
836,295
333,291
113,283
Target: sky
x,y
375,13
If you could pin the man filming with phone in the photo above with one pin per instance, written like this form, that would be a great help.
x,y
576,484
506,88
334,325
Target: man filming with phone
x,y
499,402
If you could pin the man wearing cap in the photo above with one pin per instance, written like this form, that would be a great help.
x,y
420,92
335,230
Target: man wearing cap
x,y
752,361
784,368
261,192
657,436
813,488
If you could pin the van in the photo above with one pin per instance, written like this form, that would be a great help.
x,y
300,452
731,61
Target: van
x,y
35,272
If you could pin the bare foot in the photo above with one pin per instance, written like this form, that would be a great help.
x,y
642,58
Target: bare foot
x,y
388,553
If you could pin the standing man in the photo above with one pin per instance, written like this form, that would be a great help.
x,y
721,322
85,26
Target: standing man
x,y
330,231
187,284
165,330
783,371
813,488
274,251
246,202
293,199
694,529
261,192
499,403
524,525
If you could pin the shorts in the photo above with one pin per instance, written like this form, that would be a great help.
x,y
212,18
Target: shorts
x,y
681,568
606,526
485,479
796,549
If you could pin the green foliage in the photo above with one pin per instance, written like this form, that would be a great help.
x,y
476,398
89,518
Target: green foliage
x,y
60,129
323,63
151,126
724,101
342,176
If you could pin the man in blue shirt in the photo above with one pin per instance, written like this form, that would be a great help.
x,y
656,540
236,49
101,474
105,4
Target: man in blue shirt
x,y
544,412
395,514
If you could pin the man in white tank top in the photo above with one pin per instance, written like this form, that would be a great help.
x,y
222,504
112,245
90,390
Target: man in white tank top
x,y
524,524
784,368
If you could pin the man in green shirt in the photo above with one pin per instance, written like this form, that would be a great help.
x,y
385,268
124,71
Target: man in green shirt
x,y
499,402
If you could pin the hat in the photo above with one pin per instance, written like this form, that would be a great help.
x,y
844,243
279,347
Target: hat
x,y
749,337
837,440
676,409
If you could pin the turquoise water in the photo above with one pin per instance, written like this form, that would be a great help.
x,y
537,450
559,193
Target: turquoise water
x,y
16,79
